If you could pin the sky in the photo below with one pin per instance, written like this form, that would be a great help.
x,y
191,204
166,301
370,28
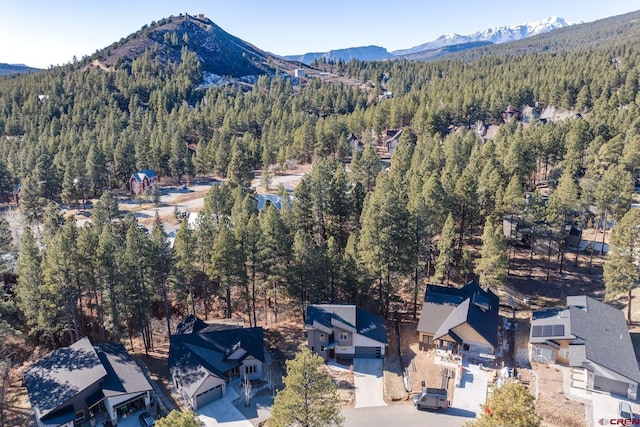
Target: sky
x,y
41,33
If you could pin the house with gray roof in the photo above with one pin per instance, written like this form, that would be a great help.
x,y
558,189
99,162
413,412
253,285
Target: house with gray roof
x,y
593,339
204,358
337,331
460,321
72,384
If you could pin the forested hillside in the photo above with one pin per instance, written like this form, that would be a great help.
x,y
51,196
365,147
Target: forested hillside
x,y
361,234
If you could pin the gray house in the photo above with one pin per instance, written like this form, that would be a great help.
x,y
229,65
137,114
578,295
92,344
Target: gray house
x,y
73,384
460,321
203,359
593,339
344,332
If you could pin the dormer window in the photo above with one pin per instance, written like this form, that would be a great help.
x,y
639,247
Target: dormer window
x,y
343,336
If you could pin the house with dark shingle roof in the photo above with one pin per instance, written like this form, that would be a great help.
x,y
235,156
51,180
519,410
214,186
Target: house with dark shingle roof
x,y
71,384
460,321
593,339
203,358
336,331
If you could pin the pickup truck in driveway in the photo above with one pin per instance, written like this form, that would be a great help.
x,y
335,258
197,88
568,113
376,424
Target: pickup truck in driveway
x,y
432,398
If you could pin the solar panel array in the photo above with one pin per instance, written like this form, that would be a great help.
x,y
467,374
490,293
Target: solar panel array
x,y
547,331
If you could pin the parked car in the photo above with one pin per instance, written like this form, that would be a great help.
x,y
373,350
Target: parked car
x,y
432,398
146,420
624,410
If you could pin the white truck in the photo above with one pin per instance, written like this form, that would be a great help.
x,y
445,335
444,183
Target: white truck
x,y
432,398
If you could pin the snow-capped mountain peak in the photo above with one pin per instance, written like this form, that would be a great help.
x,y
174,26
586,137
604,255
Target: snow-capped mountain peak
x,y
494,35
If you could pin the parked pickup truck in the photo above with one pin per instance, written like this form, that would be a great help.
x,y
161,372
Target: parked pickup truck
x,y
432,398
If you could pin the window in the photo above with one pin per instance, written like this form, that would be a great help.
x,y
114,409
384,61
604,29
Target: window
x,y
321,348
543,352
313,348
465,347
344,336
321,337
235,370
250,369
563,353
427,339
80,416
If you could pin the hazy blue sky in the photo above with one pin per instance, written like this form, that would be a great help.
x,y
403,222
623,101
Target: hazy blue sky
x,y
40,33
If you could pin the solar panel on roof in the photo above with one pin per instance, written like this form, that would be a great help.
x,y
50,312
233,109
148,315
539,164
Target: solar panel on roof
x,y
558,330
536,331
547,330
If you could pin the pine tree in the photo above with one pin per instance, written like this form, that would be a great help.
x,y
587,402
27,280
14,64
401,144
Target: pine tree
x,y
365,168
183,269
178,418
384,237
6,237
105,210
275,251
492,265
29,288
309,396
239,172
160,260
227,263
446,251
32,201
512,405
622,269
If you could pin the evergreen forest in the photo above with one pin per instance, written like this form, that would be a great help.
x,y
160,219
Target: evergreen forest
x,y
356,231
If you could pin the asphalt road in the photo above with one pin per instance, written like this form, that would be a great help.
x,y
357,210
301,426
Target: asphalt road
x,y
404,415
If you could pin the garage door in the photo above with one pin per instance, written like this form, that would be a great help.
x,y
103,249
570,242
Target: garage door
x,y
611,386
208,396
368,352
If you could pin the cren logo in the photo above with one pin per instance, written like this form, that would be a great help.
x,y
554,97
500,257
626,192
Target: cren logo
x,y
603,421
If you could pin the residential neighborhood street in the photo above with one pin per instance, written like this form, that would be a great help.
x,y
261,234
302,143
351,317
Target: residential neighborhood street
x,y
404,415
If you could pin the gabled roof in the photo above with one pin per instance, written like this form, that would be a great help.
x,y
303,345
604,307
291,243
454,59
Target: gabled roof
x,y
141,174
124,376
197,352
61,375
275,200
393,135
446,308
599,332
365,323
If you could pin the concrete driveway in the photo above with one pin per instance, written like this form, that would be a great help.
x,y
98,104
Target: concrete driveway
x,y
368,381
472,391
605,407
221,412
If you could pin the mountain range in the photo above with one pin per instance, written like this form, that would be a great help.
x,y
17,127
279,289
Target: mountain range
x,y
9,69
222,55
441,46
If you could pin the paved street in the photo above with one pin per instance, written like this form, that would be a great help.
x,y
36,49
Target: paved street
x,y
367,378
404,415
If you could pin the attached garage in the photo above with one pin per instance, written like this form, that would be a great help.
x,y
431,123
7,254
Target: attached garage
x,y
611,386
208,396
368,351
